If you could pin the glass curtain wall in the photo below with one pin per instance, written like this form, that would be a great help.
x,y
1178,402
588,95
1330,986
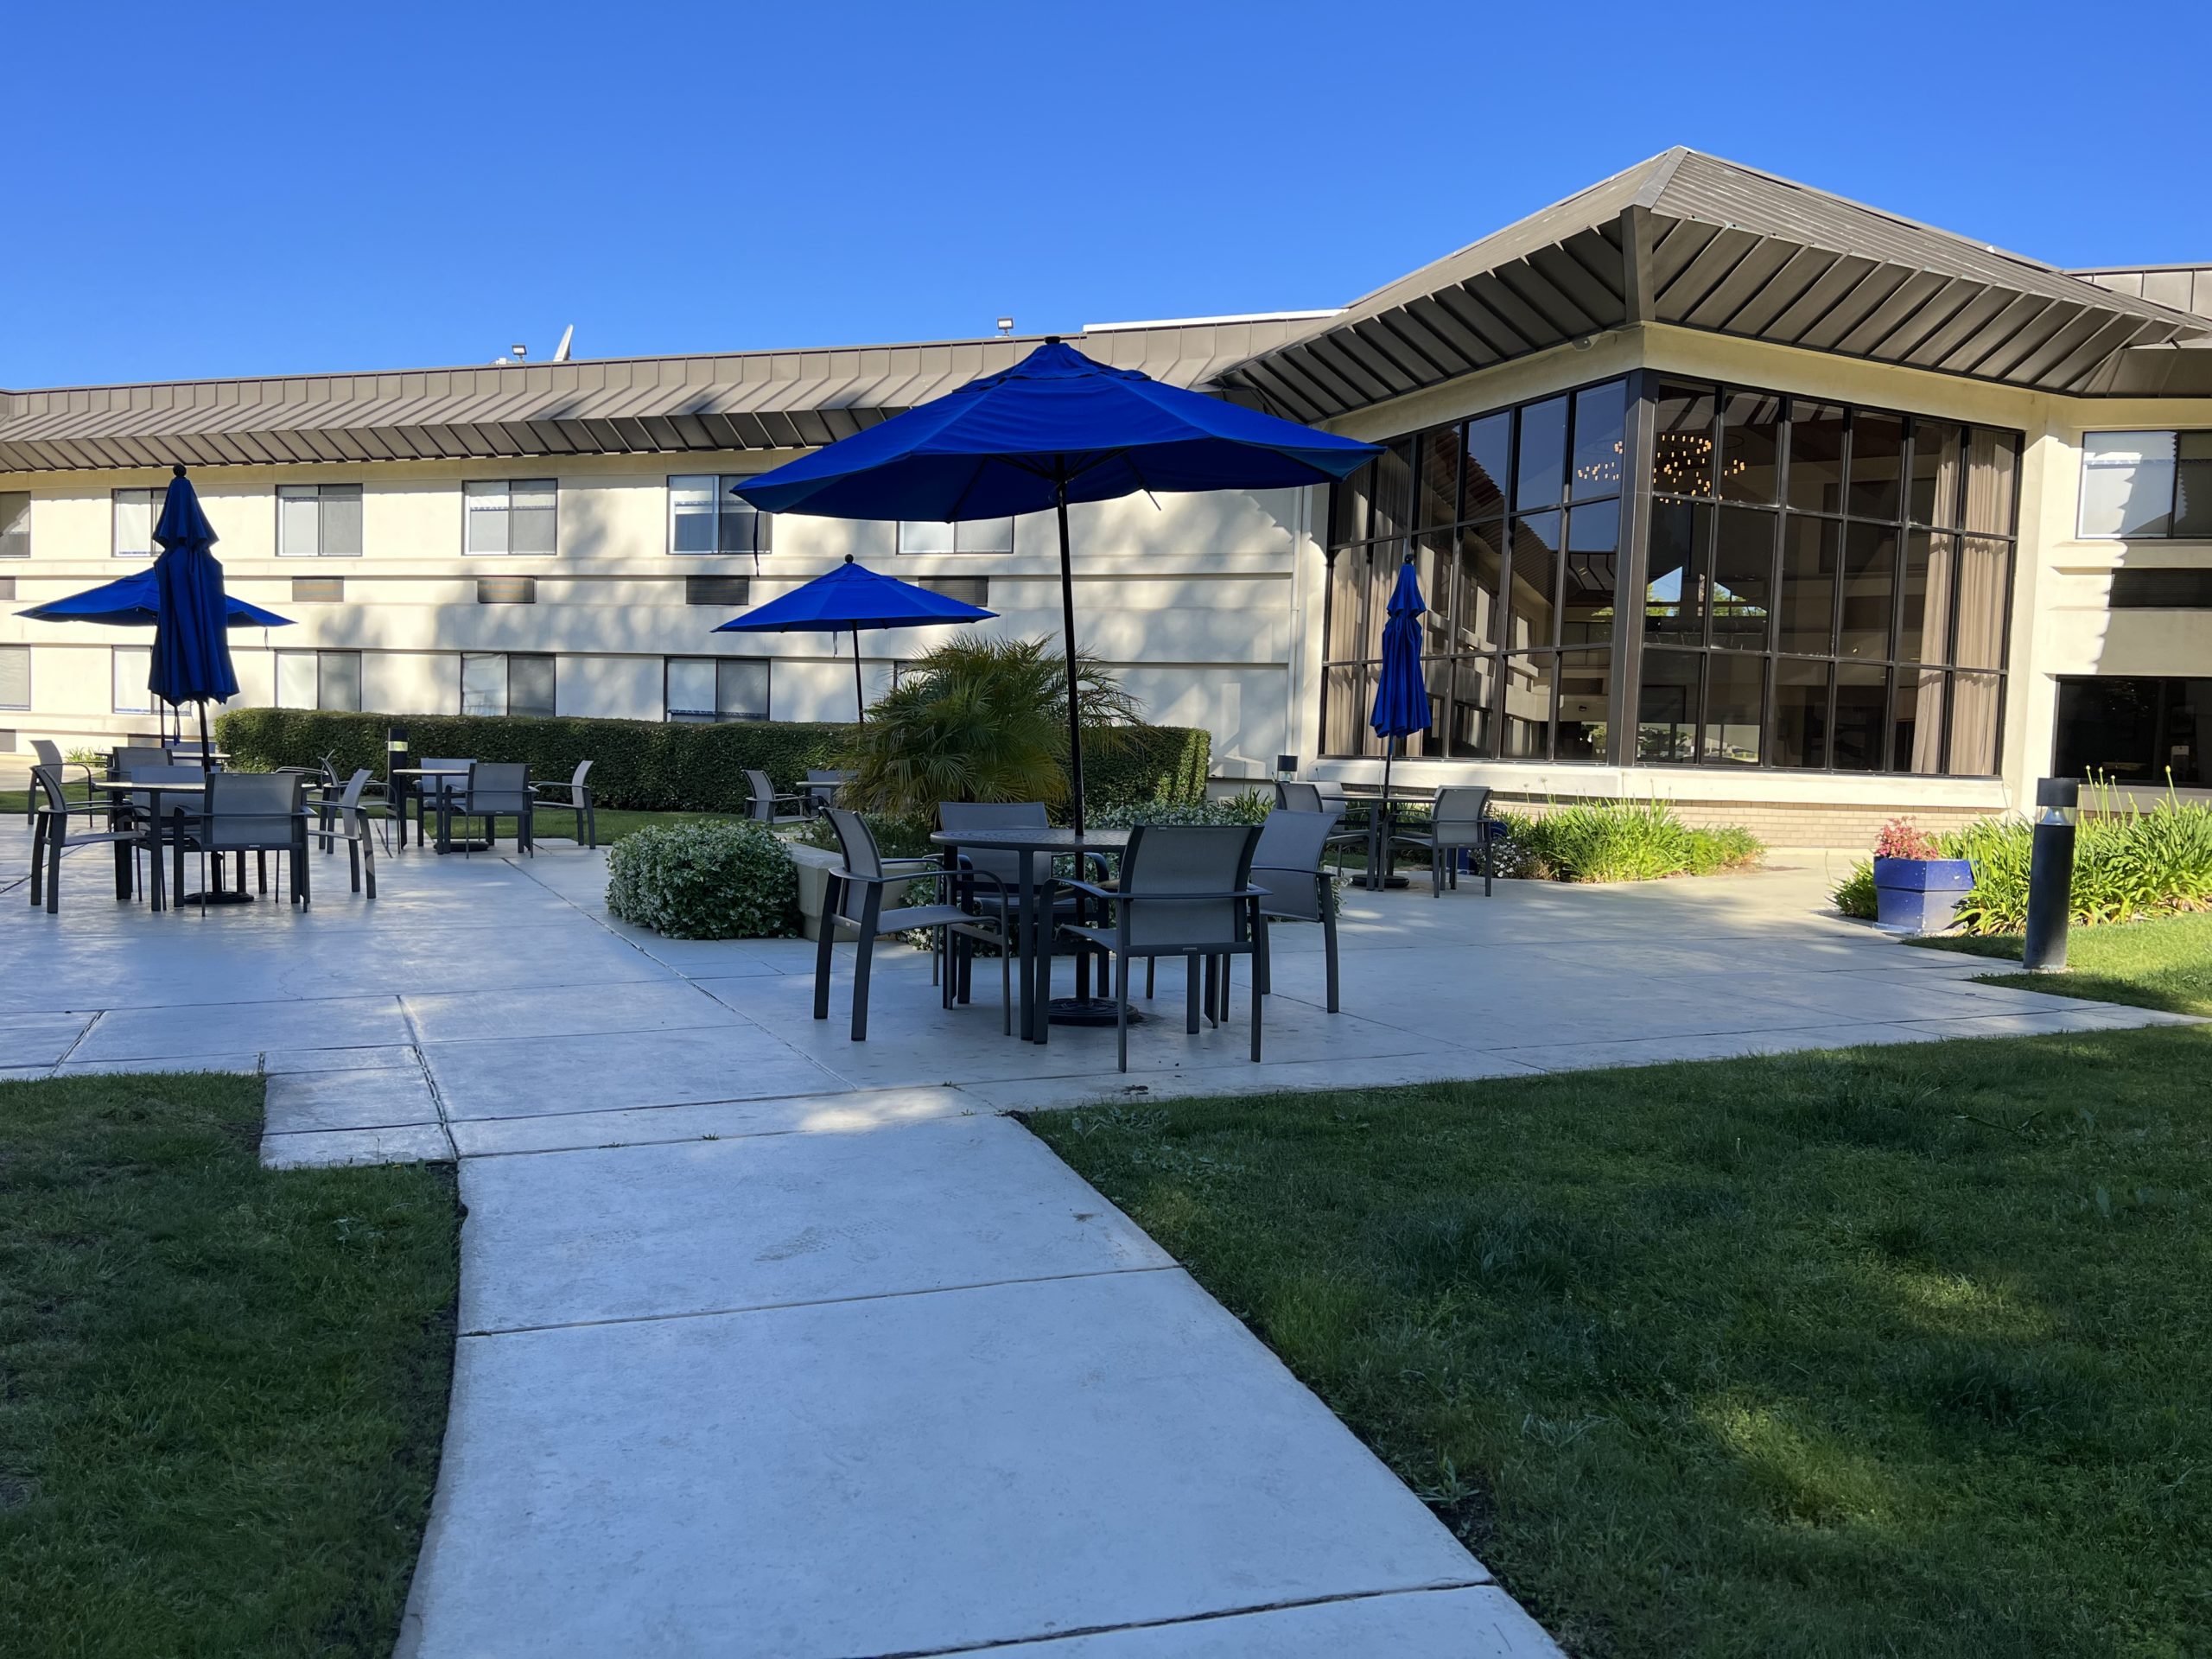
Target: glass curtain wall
x,y
1513,522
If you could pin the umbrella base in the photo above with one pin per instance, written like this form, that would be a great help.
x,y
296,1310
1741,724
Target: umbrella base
x,y
1372,884
1087,1011
219,897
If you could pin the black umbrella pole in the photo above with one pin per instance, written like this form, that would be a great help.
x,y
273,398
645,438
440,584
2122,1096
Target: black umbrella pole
x,y
860,695
1067,629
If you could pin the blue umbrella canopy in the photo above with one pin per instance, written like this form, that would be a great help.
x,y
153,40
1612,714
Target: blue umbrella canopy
x,y
1400,696
853,596
192,647
1055,427
133,601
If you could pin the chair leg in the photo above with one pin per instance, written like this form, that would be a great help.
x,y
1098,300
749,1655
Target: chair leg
x,y
864,959
1006,987
1191,995
353,862
1436,872
1121,1012
38,860
1329,944
821,947
1259,967
54,875
368,856
591,822
1490,861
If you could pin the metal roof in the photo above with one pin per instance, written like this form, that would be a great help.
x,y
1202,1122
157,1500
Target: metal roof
x,y
1692,240
749,400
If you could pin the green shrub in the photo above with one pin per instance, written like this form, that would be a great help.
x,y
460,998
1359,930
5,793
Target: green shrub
x,y
704,881
1248,806
2127,864
1620,841
655,767
1854,894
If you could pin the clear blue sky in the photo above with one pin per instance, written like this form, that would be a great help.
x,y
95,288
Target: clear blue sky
x,y
227,189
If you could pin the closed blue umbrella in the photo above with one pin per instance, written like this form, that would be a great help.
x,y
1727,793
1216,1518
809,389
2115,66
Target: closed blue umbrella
x,y
192,646
853,596
1400,695
1055,427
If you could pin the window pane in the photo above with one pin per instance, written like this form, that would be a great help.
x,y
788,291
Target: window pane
x,y
298,516
532,524
1474,606
1811,554
1598,441
2109,727
1870,558
1735,688
1341,717
1489,442
1743,577
1673,593
487,501
2193,486
691,687
1592,570
483,682
691,514
1347,588
1861,716
1816,481
530,685
1533,577
982,536
1666,709
1393,489
338,680
1474,698
1439,502
1985,572
2181,750
133,664
14,677
1801,714
341,521
1876,462
917,536
1973,725
295,680
1540,464
741,689
1751,444
1433,570
15,524
1527,724
134,523
1923,631
1436,680
1585,680
1938,452
1916,722
1993,458
1383,561
738,528
1681,455
1348,508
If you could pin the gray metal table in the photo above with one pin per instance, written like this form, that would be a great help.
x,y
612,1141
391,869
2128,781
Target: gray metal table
x,y
1033,915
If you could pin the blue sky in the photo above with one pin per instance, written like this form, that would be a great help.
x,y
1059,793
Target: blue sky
x,y
244,190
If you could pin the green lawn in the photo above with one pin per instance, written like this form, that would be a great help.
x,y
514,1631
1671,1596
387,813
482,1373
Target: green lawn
x,y
222,1388
1892,1351
2165,962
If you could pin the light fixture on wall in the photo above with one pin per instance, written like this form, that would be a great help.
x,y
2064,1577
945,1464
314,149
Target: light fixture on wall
x,y
1005,327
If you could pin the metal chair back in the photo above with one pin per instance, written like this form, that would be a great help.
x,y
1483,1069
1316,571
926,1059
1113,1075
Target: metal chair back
x,y
46,781
862,857
130,757
1458,821
1299,798
1287,861
954,817
764,794
251,811
497,787
577,781
1166,860
446,786
49,752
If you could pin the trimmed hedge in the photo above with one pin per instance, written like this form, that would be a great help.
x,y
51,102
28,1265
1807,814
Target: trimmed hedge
x,y
658,766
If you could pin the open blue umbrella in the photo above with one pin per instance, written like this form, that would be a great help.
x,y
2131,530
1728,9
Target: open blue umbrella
x,y
1400,695
853,596
133,601
1055,427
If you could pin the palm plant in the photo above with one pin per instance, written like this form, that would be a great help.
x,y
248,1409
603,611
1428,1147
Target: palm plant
x,y
982,720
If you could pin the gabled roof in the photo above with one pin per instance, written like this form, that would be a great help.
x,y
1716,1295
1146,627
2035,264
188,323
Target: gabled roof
x,y
748,400
1692,240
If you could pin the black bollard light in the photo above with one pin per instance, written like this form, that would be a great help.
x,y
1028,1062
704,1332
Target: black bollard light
x,y
2051,875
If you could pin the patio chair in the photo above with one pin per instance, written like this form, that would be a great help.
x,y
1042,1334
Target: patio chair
x,y
767,806
986,878
52,834
825,788
127,760
1461,821
1186,891
430,793
346,815
492,791
258,812
47,753
854,899
1320,798
574,795
1287,863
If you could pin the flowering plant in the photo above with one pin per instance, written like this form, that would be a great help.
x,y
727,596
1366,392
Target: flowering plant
x,y
1901,838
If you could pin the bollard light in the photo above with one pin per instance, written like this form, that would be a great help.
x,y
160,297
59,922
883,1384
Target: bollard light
x,y
1286,765
2051,875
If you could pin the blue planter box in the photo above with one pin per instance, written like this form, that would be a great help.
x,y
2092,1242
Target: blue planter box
x,y
1919,895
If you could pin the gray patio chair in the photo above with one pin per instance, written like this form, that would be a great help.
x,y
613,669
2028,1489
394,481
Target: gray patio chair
x,y
1186,891
1287,863
431,793
767,806
1461,821
574,795
127,758
346,815
988,878
493,790
854,899
258,812
47,753
52,834
1317,797
825,788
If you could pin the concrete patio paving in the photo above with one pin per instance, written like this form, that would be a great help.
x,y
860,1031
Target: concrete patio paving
x,y
776,1344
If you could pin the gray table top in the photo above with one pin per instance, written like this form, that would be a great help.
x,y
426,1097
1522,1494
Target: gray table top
x,y
1050,838
148,786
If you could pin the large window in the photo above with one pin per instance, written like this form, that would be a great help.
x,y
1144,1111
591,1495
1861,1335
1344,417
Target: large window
x,y
2133,731
2147,485
14,677
513,515
319,679
131,667
136,512
319,521
15,524
704,516
707,689
1512,522
506,683
977,536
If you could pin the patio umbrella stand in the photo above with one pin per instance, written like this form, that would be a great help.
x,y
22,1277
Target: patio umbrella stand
x,y
192,647
1400,708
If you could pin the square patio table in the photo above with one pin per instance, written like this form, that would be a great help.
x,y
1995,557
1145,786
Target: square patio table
x,y
1033,924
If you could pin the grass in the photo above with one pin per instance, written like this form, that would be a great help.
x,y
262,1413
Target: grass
x,y
1893,1350
2162,962
222,1388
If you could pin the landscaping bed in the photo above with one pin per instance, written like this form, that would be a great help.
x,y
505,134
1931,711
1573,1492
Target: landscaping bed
x,y
222,1388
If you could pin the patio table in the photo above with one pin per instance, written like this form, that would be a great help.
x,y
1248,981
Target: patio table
x,y
117,789
1032,917
406,780
1379,822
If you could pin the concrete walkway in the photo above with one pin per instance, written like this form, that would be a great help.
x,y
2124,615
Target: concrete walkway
x,y
778,1345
